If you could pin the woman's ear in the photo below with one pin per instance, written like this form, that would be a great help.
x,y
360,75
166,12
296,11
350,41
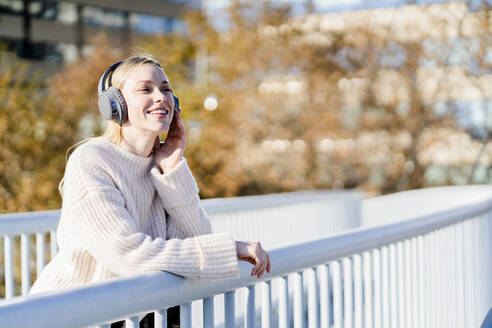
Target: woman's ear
x,y
176,102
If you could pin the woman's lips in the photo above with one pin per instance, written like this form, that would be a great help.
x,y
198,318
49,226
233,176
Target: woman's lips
x,y
159,112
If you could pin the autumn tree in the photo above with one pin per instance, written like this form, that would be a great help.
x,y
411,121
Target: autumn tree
x,y
365,87
33,134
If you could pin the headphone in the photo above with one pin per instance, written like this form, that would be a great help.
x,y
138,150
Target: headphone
x,y
111,102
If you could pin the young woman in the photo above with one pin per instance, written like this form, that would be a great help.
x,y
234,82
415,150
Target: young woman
x,y
130,204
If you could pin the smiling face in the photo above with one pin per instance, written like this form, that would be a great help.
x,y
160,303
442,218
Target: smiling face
x,y
149,100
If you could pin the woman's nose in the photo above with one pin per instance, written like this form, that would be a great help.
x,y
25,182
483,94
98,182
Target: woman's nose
x,y
159,96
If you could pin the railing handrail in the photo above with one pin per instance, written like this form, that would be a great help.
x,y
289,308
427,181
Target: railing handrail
x,y
99,299
257,202
29,222
43,221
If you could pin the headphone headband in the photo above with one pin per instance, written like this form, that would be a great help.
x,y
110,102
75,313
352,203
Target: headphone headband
x,y
102,80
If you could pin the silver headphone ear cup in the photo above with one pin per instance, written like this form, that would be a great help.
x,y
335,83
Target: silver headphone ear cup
x,y
105,108
117,104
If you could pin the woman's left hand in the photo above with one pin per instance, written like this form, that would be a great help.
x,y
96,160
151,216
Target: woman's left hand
x,y
170,153
254,253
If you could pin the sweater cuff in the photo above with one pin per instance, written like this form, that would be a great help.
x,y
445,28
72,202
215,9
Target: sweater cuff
x,y
218,256
177,186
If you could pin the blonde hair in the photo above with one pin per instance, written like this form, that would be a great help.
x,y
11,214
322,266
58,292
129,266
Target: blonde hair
x,y
117,77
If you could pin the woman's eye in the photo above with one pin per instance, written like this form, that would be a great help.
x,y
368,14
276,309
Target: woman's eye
x,y
143,89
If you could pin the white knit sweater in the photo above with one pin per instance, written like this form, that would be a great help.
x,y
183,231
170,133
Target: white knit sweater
x,y
113,222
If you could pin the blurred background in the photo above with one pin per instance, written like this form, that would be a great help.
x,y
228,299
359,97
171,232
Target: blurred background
x,y
382,96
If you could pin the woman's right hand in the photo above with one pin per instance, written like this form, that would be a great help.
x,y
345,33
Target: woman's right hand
x,y
168,154
253,253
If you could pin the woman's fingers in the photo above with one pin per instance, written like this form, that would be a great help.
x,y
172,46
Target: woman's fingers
x,y
261,264
176,128
258,270
174,121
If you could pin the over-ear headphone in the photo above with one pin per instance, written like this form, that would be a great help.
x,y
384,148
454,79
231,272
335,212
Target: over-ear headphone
x,y
111,103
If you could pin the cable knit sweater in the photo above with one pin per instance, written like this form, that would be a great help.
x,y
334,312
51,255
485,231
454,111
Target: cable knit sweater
x,y
113,222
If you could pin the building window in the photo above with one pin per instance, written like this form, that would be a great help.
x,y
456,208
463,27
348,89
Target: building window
x,y
103,17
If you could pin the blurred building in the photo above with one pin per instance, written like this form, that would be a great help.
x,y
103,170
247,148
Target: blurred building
x,y
58,31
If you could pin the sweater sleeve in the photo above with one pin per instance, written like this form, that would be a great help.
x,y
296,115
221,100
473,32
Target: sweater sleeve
x,y
178,192
109,233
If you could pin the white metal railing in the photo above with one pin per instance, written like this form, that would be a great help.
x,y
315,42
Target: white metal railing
x,y
429,271
246,218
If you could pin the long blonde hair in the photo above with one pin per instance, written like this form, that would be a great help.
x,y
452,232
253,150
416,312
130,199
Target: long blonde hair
x,y
113,131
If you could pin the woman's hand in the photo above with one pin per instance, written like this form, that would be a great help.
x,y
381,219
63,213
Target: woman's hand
x,y
253,253
170,153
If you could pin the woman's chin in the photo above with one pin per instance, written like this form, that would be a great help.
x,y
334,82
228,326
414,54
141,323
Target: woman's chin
x,y
163,127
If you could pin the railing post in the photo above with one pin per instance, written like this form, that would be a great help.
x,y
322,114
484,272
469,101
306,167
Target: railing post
x,y
347,292
298,300
160,318
415,283
208,312
132,322
441,273
230,309
408,283
393,286
421,281
448,275
400,273
249,315
368,290
26,272
427,280
266,304
358,309
40,252
337,294
380,285
385,314
433,318
185,315
473,270
9,266
324,295
283,302
312,299
487,272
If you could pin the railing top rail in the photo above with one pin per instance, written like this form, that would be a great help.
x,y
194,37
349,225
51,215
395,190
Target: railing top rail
x,y
28,222
257,202
100,299
40,221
